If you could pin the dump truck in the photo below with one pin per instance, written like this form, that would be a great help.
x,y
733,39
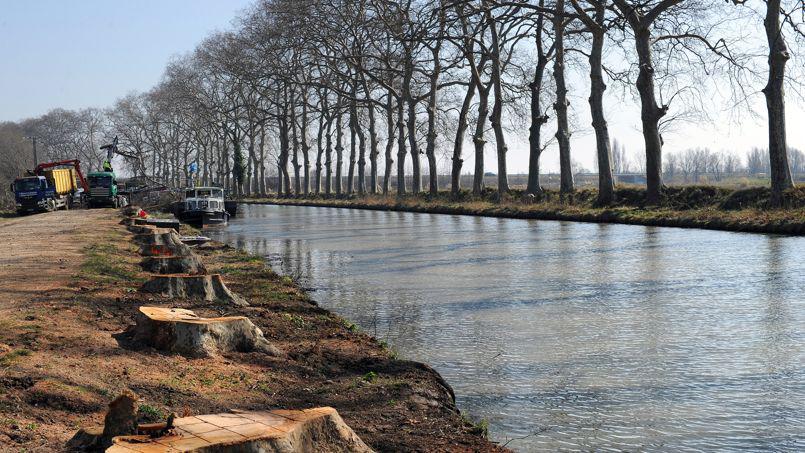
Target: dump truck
x,y
104,191
50,186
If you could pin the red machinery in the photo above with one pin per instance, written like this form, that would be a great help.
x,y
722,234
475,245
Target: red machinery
x,y
64,163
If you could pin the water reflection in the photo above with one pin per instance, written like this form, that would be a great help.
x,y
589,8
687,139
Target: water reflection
x,y
569,336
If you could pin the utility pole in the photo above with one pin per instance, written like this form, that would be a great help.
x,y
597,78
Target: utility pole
x,y
33,140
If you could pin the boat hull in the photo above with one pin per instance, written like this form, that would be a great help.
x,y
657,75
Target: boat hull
x,y
199,217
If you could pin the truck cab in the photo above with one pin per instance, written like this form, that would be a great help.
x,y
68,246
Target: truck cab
x,y
103,190
33,193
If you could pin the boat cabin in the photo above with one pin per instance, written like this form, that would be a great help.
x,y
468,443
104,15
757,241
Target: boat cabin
x,y
204,198
202,205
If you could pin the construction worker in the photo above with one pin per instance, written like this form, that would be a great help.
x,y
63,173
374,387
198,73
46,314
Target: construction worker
x,y
107,166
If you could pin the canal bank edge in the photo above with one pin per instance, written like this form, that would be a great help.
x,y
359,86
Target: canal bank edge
x,y
63,376
784,221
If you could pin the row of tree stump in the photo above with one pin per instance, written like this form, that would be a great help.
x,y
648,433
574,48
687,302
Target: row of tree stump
x,y
178,273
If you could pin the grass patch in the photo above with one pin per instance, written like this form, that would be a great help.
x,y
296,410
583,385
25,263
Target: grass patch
x,y
150,414
296,320
480,427
8,359
232,270
391,352
245,257
103,265
369,377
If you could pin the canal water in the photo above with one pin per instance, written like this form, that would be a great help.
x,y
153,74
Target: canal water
x,y
568,336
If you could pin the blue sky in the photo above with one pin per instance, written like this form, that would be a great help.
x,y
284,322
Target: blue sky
x,y
87,53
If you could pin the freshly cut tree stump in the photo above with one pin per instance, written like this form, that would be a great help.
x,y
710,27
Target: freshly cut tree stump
x,y
163,223
141,229
179,330
162,242
309,430
190,265
209,288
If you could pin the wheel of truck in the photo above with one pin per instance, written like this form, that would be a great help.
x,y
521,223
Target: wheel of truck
x,y
68,203
51,205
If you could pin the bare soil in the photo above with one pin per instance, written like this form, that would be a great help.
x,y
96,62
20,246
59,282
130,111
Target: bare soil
x,y
69,281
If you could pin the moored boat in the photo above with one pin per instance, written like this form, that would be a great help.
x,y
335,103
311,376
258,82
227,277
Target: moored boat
x,y
203,206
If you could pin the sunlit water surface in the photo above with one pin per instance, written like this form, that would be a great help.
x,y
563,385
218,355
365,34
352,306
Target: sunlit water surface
x,y
568,336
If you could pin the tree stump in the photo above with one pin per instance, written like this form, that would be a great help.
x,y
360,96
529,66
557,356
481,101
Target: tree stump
x,y
209,288
141,229
163,223
288,431
181,331
190,265
120,420
162,242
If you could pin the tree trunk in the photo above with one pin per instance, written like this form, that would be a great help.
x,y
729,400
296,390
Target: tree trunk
x,y
650,115
328,159
254,185
319,155
238,169
361,186
606,184
430,148
478,140
305,146
401,151
389,142
297,183
416,183
416,171
283,178
339,153
373,151
497,109
458,143
774,92
353,143
538,118
263,188
563,128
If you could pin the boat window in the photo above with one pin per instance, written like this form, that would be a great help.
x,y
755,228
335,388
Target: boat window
x,y
190,193
204,193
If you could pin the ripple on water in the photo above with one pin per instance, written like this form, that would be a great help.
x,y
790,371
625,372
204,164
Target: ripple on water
x,y
569,336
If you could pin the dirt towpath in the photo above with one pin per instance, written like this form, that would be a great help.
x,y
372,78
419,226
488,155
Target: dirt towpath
x,y
41,252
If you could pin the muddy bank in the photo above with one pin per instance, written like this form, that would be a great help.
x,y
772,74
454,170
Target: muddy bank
x,y
709,208
62,359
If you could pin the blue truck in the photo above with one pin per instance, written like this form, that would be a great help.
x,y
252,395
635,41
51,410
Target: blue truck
x,y
50,186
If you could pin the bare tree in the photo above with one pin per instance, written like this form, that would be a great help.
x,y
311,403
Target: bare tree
x,y
595,22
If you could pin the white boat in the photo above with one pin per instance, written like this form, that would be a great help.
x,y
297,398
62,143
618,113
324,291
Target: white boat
x,y
203,206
